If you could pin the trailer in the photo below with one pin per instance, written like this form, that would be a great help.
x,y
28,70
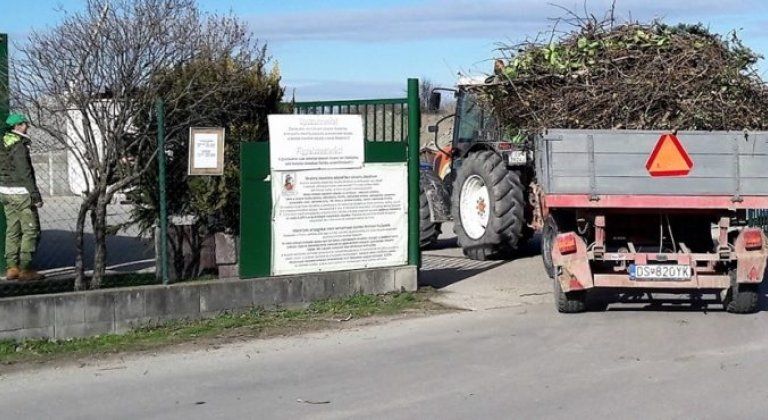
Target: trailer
x,y
652,211
624,211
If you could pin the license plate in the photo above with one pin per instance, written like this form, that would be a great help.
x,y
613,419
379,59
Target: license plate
x,y
660,272
517,158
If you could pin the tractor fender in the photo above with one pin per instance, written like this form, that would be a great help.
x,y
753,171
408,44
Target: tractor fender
x,y
479,147
438,196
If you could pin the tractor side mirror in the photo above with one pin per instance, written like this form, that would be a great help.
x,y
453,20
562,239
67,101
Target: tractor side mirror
x,y
432,129
434,101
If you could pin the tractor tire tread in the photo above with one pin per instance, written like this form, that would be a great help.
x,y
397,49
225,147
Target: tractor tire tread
x,y
505,228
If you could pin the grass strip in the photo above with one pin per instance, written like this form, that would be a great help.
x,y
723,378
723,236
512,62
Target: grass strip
x,y
257,322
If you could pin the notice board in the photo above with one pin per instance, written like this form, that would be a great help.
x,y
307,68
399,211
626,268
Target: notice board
x,y
331,211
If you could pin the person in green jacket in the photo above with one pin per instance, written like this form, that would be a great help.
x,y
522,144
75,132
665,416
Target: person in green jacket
x,y
21,199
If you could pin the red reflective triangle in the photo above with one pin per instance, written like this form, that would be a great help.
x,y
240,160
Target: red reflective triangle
x,y
669,158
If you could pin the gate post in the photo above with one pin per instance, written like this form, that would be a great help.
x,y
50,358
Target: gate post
x,y
5,89
5,94
414,143
162,199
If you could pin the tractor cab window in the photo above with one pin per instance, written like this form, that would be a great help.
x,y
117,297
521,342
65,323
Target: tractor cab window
x,y
470,118
475,124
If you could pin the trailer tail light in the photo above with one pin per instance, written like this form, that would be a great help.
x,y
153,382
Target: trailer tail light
x,y
566,244
753,239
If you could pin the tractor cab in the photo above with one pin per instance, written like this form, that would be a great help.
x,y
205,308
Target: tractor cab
x,y
475,128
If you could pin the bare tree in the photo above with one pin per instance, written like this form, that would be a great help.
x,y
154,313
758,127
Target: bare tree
x,y
425,90
86,81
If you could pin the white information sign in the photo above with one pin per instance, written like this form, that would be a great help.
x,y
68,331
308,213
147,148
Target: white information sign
x,y
206,151
300,142
343,219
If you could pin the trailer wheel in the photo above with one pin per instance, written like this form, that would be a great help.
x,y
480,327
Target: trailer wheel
x,y
428,230
488,207
548,235
571,302
741,298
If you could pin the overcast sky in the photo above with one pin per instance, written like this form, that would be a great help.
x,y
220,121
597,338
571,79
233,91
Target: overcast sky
x,y
337,49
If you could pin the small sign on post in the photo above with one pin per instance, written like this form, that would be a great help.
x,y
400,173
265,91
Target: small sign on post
x,y
206,151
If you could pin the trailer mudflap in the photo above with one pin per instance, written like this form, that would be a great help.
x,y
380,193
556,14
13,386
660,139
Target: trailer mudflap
x,y
750,259
573,270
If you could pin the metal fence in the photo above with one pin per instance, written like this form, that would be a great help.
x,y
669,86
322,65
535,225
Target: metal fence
x,y
758,218
60,182
383,119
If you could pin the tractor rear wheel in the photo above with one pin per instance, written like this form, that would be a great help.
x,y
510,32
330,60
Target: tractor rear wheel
x,y
488,207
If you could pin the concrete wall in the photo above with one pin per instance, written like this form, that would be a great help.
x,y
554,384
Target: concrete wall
x,y
113,311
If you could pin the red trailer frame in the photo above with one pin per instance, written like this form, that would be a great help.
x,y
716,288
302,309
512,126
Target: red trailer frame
x,y
574,263
655,202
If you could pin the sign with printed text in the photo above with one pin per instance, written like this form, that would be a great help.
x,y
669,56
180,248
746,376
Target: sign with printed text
x,y
302,142
339,219
206,151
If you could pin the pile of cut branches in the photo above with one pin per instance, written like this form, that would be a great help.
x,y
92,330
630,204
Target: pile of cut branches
x,y
603,75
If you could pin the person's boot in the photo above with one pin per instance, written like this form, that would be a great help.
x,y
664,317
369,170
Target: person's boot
x,y
30,275
12,274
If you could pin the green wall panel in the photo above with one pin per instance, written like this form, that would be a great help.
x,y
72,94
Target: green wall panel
x,y
385,152
255,211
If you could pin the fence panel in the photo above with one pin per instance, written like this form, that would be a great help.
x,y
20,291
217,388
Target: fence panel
x,y
384,120
758,218
60,183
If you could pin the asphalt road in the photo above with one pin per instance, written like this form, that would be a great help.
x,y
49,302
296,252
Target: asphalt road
x,y
481,285
508,359
522,362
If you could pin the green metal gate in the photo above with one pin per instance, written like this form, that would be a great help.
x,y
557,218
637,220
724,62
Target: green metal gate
x,y
391,130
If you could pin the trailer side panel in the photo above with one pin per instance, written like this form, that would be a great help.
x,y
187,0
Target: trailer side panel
x,y
613,162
